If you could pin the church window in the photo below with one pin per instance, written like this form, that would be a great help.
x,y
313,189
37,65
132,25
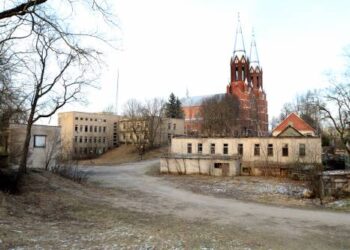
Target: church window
x,y
243,73
236,73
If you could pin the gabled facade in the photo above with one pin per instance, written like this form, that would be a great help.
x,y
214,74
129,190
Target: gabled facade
x,y
293,121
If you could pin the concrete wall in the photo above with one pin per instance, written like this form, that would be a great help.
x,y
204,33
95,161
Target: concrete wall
x,y
333,182
177,164
249,159
38,156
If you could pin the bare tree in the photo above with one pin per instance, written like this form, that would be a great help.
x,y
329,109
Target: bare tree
x,y
336,108
144,122
220,115
54,76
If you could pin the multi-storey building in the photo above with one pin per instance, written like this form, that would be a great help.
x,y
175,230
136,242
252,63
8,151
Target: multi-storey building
x,y
87,134
130,131
246,84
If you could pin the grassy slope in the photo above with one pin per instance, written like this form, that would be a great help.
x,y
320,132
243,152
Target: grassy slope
x,y
123,154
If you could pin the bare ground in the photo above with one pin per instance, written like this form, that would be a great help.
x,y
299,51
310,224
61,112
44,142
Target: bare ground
x,y
130,210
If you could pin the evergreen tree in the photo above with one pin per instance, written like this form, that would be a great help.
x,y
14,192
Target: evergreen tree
x,y
173,108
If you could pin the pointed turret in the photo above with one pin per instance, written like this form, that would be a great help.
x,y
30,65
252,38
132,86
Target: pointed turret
x,y
254,58
239,49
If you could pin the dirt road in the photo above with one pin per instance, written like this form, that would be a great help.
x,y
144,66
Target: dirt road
x,y
283,227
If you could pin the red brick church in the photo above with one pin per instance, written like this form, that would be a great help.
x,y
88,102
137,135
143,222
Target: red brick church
x,y
247,84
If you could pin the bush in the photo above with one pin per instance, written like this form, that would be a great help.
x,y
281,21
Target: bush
x,y
8,181
70,171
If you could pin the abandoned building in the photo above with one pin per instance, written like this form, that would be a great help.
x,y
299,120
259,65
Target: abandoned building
x,y
294,144
246,83
163,130
85,134
44,147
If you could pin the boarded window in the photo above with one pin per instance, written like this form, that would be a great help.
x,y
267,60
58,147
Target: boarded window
x,y
39,141
225,149
285,150
256,149
302,149
212,148
270,150
200,148
240,149
189,148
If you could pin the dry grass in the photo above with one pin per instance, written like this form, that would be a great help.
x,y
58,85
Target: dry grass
x,y
124,154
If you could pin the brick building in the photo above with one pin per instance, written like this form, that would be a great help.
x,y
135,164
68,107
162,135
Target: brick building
x,y
246,83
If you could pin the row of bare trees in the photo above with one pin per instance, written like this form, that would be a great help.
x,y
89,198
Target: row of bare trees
x,y
46,59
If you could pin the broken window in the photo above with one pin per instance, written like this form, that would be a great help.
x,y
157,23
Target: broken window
x,y
189,148
212,148
39,141
285,150
270,150
217,165
256,149
240,149
302,149
200,148
225,149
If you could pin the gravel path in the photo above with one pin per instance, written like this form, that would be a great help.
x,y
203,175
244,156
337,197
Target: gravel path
x,y
157,196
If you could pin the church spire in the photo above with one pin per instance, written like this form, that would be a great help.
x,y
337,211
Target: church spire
x,y
239,49
254,59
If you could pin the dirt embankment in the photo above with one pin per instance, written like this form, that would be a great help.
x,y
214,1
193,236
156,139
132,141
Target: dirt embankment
x,y
124,154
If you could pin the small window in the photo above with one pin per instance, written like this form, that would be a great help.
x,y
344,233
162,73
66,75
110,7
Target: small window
x,y
80,139
86,119
95,129
212,148
270,150
39,141
104,120
189,148
240,149
302,149
169,126
225,149
174,126
256,149
76,128
200,148
104,129
76,118
285,150
86,128
81,118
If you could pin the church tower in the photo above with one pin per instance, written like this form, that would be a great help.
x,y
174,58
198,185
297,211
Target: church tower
x,y
247,85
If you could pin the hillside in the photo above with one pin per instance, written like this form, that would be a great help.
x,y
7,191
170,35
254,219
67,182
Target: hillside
x,y
123,154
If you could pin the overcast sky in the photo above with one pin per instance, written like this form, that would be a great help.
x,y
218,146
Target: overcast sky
x,y
170,46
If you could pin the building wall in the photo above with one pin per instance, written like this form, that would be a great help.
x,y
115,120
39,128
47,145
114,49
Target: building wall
x,y
168,128
38,154
249,158
87,134
176,164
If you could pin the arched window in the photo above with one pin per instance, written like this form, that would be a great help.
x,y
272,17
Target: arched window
x,y
243,73
236,73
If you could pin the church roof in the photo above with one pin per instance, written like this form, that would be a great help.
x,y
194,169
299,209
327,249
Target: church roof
x,y
196,100
296,122
253,56
239,49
